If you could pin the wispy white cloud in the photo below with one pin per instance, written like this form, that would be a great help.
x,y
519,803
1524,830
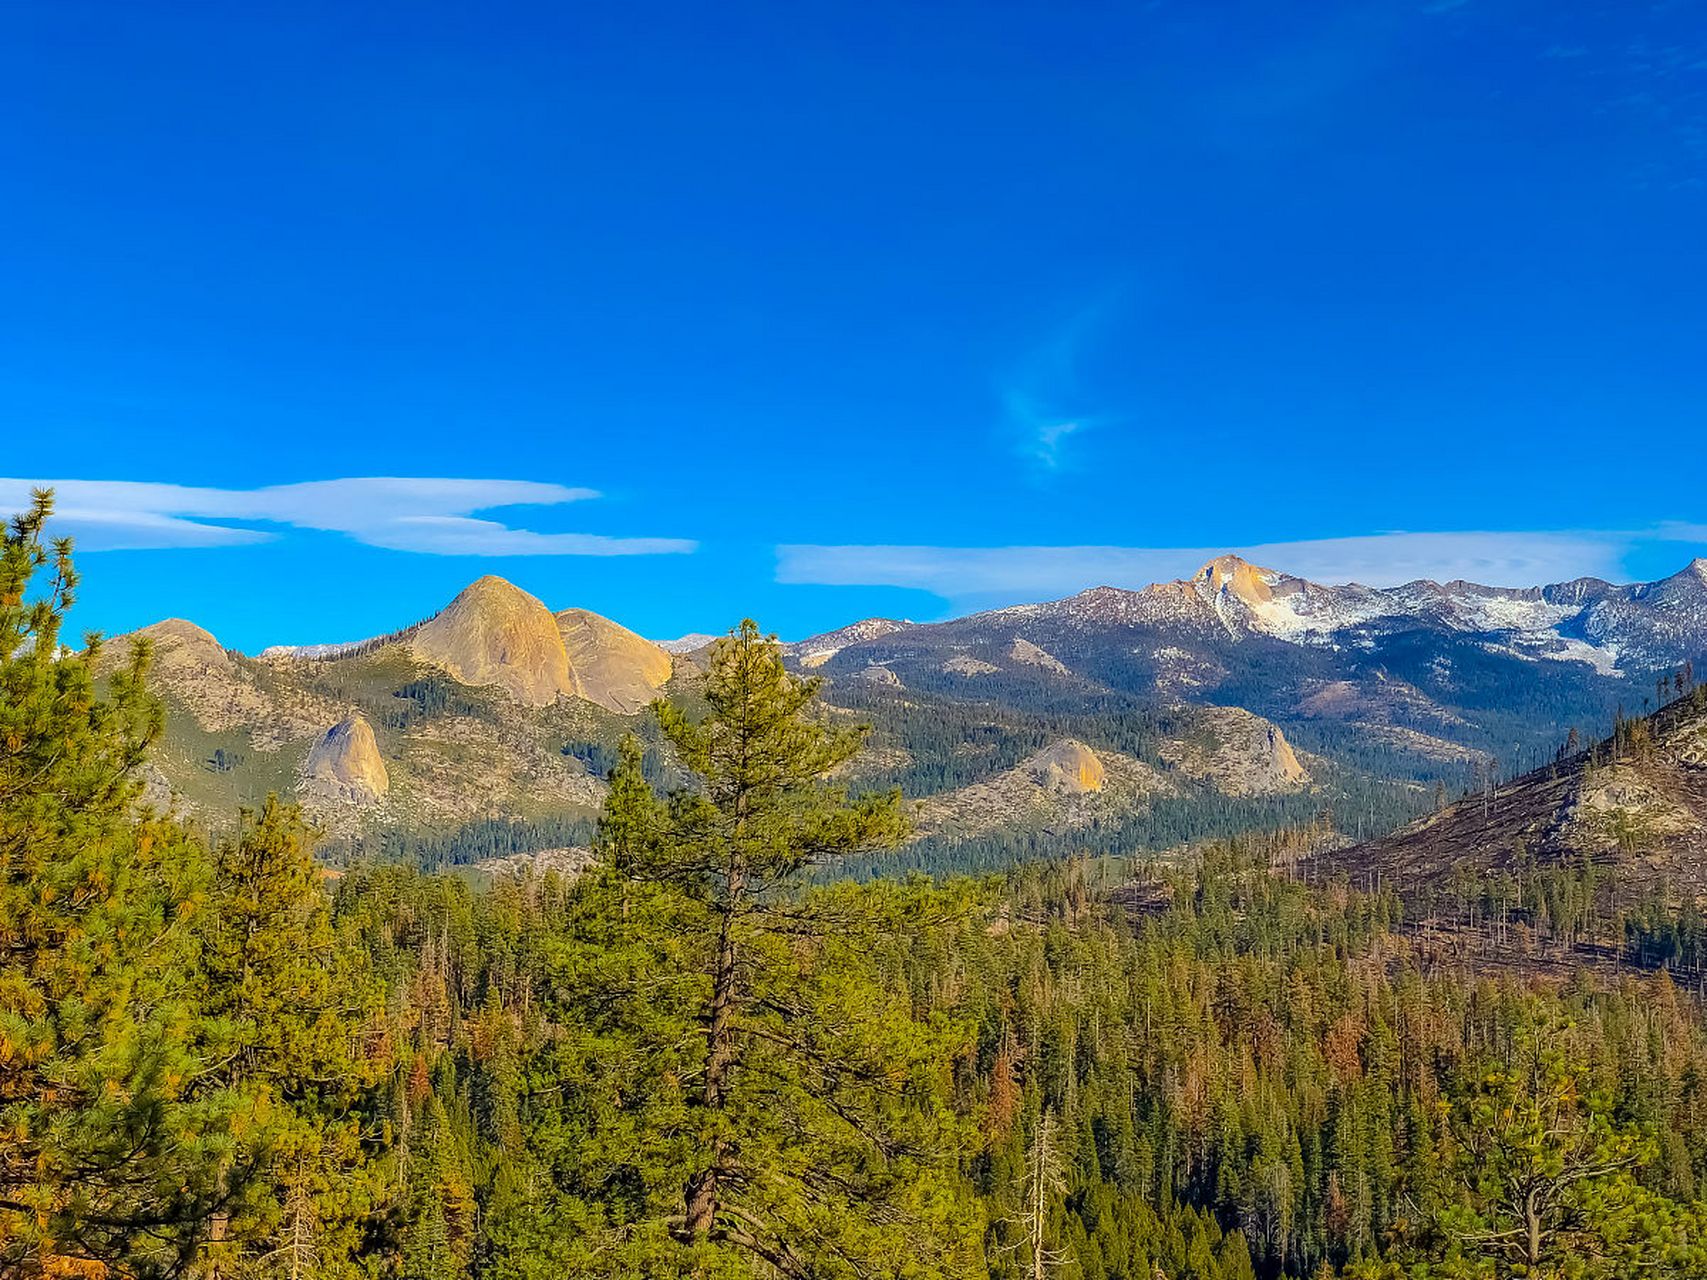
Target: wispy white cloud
x,y
1044,403
1042,435
985,575
427,516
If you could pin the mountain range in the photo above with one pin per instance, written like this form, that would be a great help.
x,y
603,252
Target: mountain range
x,y
1237,697
1229,604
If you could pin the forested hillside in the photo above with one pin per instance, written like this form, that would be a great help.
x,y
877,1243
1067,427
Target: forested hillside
x,y
218,1059
1594,858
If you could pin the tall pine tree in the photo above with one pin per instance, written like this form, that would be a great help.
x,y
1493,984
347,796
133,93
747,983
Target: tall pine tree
x,y
282,995
111,1127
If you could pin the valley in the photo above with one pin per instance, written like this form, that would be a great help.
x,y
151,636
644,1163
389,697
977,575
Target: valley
x,y
434,1012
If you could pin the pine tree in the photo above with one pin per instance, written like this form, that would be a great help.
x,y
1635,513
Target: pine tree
x,y
1045,1182
760,817
629,823
108,1136
1548,1178
282,996
749,1081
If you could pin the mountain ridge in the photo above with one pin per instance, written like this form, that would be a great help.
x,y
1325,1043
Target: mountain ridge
x,y
1234,589
1245,598
1257,686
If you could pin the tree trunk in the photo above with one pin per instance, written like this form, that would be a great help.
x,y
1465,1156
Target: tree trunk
x,y
1532,1250
702,1188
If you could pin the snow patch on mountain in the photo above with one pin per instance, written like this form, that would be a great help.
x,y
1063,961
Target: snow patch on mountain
x,y
1611,628
815,651
313,651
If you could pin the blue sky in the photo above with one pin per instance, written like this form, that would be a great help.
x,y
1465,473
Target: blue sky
x,y
816,311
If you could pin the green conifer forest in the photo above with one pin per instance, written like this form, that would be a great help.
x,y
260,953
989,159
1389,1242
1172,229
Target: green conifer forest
x,y
711,1056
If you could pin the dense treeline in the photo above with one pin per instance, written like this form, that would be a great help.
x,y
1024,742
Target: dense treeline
x,y
1360,805
471,842
219,1061
428,698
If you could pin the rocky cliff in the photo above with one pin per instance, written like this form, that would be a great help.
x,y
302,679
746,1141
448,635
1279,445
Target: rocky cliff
x,y
344,765
610,665
494,633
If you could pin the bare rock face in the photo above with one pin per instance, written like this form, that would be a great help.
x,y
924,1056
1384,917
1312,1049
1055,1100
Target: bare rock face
x,y
1066,786
1026,652
1281,762
344,766
495,633
609,664
1239,753
216,688
1068,767
1251,583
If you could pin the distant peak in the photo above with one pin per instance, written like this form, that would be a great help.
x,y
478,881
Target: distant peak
x,y
1694,574
180,645
609,664
178,629
492,592
688,643
1228,565
816,650
489,584
496,633
1240,575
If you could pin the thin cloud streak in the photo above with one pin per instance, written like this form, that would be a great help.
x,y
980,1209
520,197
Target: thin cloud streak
x,y
1386,559
1044,404
425,516
1046,438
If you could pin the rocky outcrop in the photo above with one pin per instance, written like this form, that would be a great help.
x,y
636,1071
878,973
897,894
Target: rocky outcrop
x,y
344,765
1238,753
220,690
570,862
1068,767
1025,652
609,664
1064,787
1637,802
495,633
